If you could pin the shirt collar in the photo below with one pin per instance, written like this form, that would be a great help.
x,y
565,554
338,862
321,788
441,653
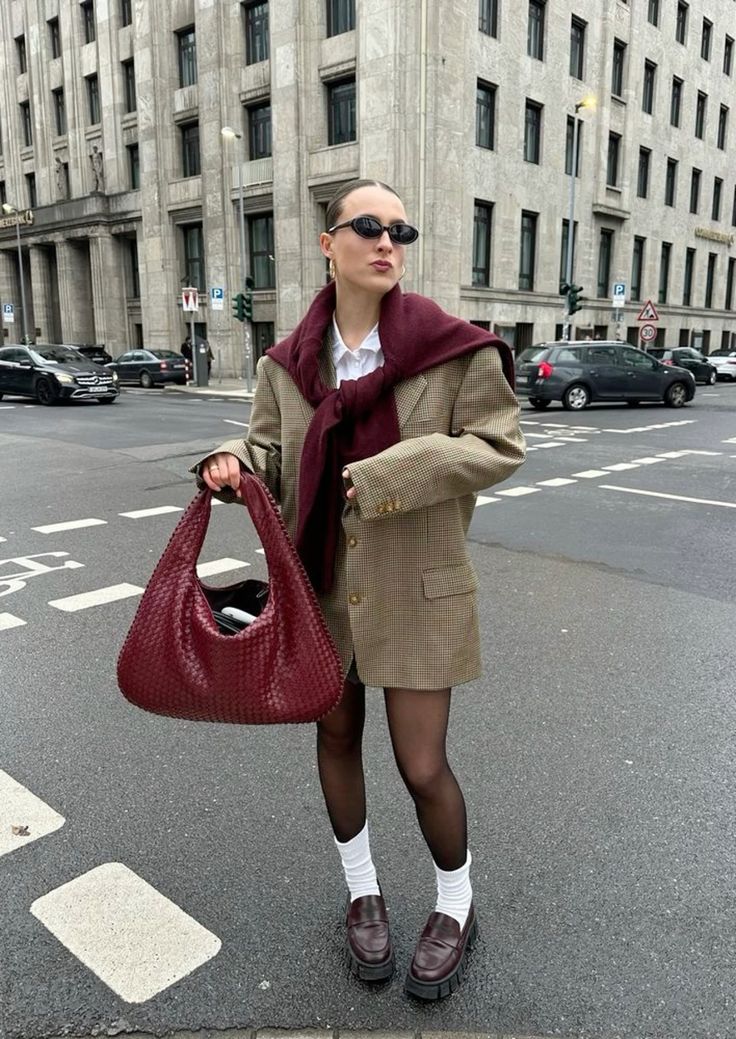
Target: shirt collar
x,y
339,349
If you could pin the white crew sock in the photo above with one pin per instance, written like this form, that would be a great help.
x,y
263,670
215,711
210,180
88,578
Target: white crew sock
x,y
360,873
454,893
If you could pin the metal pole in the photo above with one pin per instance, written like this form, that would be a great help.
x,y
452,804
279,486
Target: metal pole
x,y
571,219
22,279
195,352
243,272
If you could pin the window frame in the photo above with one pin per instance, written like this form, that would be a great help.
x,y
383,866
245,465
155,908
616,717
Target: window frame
x,y
488,17
191,155
260,142
54,37
533,114
26,122
676,101
536,27
489,90
670,183
60,123
186,56
194,258
94,105
340,17
722,135
613,161
638,259
665,266
256,28
606,245
701,115
710,280
695,185
618,68
482,223
528,250
577,47
706,39
649,86
653,13
643,172
89,22
716,205
341,109
681,22
260,259
689,276
130,94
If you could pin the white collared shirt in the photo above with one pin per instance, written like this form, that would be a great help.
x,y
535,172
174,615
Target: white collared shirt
x,y
352,364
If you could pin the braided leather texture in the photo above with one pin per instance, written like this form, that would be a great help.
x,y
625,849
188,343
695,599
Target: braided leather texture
x,y
283,667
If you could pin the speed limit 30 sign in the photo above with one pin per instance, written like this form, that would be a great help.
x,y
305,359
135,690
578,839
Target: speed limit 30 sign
x,y
648,333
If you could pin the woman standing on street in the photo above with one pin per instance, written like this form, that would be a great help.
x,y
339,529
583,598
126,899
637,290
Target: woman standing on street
x,y
373,424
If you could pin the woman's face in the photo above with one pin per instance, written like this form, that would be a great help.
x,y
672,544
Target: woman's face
x,y
369,264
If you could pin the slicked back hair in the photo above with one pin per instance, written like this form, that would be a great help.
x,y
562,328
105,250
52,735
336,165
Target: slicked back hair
x,y
336,203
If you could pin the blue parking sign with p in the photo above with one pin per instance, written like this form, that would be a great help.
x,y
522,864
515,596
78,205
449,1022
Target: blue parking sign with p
x,y
9,313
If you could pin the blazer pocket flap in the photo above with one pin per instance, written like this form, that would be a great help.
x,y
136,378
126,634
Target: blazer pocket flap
x,y
449,580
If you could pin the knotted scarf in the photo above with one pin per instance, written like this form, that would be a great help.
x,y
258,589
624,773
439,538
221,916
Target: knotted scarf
x,y
359,419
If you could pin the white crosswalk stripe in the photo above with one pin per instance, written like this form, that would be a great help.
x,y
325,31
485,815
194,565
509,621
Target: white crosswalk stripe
x,y
23,816
56,528
98,597
161,510
8,621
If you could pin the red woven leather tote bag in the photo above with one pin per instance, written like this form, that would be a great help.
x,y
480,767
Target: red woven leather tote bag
x,y
175,661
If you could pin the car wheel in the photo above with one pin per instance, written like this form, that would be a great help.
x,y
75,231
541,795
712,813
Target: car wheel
x,y
108,400
146,381
712,379
538,404
576,397
676,395
45,392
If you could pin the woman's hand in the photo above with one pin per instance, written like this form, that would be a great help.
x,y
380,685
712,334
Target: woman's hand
x,y
221,470
351,492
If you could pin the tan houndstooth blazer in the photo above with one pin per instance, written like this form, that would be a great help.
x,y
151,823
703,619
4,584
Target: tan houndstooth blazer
x,y
404,598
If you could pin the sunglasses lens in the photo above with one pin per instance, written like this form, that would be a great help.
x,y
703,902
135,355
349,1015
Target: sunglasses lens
x,y
367,227
403,234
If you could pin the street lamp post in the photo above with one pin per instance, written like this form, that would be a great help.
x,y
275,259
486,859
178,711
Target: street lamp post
x,y
587,102
229,134
7,208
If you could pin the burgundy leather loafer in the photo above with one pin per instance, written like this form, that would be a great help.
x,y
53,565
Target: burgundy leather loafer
x,y
369,941
440,957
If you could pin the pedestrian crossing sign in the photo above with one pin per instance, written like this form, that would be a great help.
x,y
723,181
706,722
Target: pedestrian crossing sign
x,y
648,312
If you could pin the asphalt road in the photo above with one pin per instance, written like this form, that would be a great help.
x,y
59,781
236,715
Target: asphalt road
x,y
596,753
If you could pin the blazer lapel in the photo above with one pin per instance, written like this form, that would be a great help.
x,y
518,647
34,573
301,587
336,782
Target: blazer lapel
x,y
408,394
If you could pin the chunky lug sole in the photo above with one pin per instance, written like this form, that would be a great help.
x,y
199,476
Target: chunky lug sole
x,y
434,990
371,971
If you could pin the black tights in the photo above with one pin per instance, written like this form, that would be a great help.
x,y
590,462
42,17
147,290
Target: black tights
x,y
417,721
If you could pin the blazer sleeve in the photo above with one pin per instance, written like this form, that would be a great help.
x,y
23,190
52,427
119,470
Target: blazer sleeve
x,y
484,447
260,451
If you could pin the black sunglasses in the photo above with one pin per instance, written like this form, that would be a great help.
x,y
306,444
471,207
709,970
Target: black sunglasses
x,y
370,227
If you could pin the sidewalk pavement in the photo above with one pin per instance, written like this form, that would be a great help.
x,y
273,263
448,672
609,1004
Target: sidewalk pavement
x,y
235,388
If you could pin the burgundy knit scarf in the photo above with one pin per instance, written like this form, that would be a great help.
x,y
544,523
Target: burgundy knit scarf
x,y
359,419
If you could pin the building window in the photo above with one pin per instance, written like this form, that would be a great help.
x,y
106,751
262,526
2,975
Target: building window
x,y
681,25
563,248
87,9
637,267
129,86
728,55
700,114
63,179
20,46
31,190
340,16
126,15
263,337
647,97
190,160
733,209
729,283
664,271
194,256
262,263
717,195
3,193
134,283
617,73
570,144
577,48
485,115
482,218
259,130
535,29
59,111
710,279
642,179
695,190
722,127
653,12
614,150
54,37
605,259
187,51
670,184
705,40
533,132
26,124
93,99
256,32
687,289
676,101
134,166
341,110
528,251
488,17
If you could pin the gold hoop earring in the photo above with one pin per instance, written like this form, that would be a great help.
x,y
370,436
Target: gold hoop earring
x,y
403,272
333,271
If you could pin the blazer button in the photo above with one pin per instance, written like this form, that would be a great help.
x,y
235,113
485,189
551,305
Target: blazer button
x,y
354,600
352,542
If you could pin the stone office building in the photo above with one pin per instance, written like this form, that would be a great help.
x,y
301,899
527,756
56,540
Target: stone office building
x,y
111,114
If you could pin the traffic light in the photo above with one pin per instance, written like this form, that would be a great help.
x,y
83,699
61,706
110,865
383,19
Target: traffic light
x,y
239,307
574,299
564,288
248,297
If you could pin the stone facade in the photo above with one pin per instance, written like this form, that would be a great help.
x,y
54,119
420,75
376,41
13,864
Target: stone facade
x,y
109,248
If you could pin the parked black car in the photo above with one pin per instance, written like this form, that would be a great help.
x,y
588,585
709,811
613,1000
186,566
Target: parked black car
x,y
93,352
150,368
54,373
578,374
687,357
